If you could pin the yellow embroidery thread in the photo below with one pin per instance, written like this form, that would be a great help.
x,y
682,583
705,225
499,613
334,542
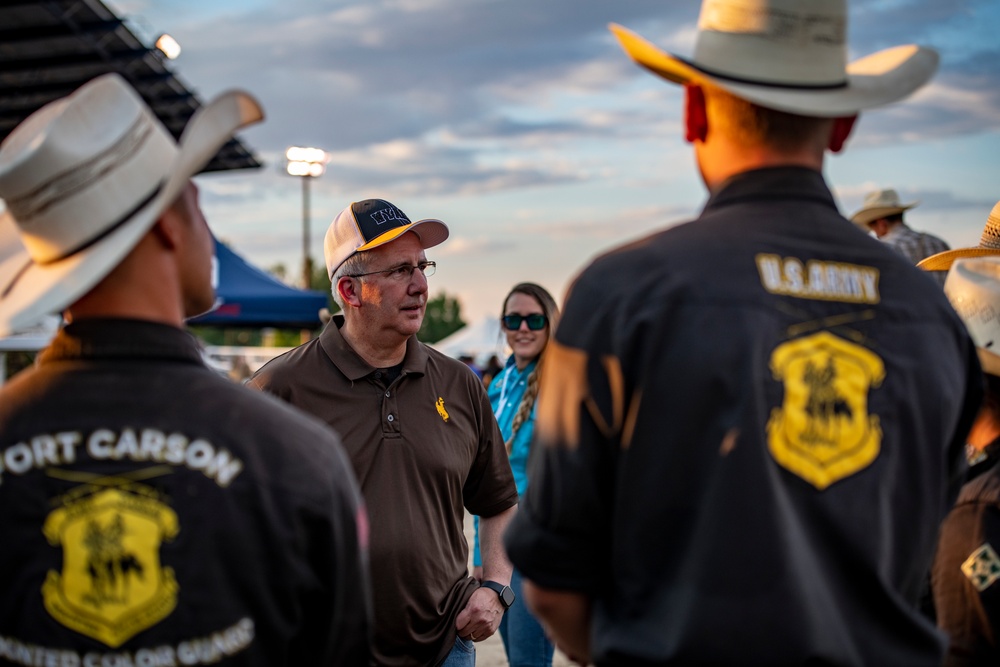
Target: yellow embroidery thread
x,y
440,408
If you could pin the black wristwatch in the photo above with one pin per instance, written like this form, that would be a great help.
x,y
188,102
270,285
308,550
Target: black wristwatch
x,y
503,592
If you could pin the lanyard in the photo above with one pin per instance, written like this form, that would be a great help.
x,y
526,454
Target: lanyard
x,y
503,390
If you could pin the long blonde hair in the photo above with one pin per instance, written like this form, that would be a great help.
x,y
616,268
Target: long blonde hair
x,y
551,310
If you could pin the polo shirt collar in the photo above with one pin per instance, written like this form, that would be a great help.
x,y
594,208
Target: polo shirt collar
x,y
350,362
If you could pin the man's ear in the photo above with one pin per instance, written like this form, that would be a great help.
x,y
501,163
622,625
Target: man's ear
x,y
695,114
348,291
841,130
167,228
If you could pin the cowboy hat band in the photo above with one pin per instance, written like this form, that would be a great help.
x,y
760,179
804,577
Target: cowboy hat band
x,y
84,178
789,55
47,243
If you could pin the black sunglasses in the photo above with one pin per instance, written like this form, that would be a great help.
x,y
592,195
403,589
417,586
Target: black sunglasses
x,y
536,321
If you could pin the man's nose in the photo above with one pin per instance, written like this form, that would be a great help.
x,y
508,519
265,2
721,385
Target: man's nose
x,y
418,282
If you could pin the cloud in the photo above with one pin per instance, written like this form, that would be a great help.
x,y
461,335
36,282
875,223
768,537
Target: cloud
x,y
460,98
474,247
625,224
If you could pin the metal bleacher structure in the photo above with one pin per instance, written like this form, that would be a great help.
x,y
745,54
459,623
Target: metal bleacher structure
x,y
49,48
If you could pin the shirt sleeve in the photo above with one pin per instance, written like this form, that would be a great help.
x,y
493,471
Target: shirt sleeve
x,y
966,583
337,610
489,488
477,558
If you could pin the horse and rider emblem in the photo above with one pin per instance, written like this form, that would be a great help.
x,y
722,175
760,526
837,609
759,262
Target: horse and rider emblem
x,y
112,585
822,432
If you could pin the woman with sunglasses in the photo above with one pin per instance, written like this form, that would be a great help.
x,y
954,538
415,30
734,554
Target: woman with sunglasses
x,y
530,315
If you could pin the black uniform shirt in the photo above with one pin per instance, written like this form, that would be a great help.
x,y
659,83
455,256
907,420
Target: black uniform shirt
x,y
155,513
752,426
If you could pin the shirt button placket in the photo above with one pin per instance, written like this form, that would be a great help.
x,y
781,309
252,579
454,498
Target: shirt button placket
x,y
390,413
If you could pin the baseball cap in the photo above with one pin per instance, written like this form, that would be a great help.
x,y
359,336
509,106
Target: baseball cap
x,y
367,224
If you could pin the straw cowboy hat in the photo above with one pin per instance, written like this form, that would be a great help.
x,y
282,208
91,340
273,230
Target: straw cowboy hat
x,y
989,245
789,55
973,287
84,178
877,205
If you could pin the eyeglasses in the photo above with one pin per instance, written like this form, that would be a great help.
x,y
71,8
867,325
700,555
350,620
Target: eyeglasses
x,y
536,321
403,272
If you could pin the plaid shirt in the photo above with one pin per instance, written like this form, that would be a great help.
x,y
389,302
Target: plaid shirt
x,y
913,244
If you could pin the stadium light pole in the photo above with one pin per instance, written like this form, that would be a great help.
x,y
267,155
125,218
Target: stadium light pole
x,y
307,163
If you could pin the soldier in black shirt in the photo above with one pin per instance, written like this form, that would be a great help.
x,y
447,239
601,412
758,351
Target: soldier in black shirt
x,y
153,512
752,424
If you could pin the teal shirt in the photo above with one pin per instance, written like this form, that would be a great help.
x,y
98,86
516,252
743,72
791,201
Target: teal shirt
x,y
505,392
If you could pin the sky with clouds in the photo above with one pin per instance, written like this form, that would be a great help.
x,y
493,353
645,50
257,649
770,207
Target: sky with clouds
x,y
525,128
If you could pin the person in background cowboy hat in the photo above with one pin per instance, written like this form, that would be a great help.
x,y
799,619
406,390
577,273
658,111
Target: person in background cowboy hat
x,y
965,579
153,512
755,422
882,214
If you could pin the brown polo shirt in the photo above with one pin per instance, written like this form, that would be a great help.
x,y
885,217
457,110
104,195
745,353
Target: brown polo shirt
x,y
423,446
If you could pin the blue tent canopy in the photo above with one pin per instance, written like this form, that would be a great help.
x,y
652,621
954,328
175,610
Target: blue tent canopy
x,y
248,297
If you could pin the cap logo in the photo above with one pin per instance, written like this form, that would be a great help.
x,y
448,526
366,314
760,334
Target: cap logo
x,y
388,214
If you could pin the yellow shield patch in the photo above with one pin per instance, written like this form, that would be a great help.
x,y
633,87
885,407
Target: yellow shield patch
x,y
111,585
822,432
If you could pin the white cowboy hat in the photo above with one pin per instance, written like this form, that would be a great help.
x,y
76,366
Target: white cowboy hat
x,y
83,179
879,204
973,287
789,55
989,246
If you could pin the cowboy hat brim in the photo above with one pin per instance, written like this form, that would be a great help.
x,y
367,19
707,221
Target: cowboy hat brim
x,y
942,261
883,77
29,291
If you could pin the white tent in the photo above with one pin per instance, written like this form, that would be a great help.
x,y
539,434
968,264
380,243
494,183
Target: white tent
x,y
28,340
480,340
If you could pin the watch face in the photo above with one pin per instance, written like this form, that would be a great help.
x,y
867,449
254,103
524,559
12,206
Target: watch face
x,y
507,596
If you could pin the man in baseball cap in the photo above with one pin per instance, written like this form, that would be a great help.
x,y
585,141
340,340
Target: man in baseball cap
x,y
152,510
750,425
420,434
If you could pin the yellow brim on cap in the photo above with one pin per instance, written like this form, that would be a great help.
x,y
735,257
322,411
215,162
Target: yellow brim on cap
x,y
382,239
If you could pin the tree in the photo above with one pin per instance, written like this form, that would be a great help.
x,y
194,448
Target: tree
x,y
321,283
443,317
279,271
